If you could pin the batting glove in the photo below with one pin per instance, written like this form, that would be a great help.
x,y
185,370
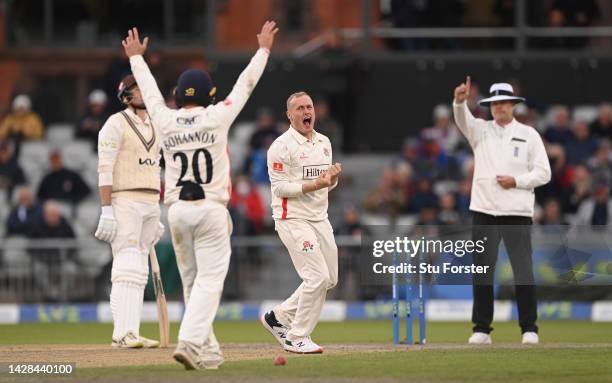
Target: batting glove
x,y
107,226
160,232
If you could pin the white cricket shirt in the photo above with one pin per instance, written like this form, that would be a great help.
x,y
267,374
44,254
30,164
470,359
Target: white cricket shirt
x,y
194,141
514,150
128,156
292,161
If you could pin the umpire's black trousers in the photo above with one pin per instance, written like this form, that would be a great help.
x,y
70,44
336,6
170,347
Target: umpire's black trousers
x,y
516,233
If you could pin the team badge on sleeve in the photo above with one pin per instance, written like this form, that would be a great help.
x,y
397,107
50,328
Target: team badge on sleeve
x,y
278,166
326,152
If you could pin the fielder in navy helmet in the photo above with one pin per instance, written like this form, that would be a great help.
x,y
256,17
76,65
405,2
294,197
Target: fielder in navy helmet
x,y
195,87
194,140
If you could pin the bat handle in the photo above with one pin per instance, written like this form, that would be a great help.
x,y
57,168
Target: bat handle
x,y
153,259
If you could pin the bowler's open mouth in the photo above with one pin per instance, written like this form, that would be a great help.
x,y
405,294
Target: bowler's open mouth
x,y
307,121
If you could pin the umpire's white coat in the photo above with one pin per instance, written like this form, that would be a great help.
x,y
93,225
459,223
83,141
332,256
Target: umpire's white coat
x,y
514,150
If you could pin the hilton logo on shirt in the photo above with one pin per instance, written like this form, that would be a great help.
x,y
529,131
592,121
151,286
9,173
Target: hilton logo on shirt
x,y
313,171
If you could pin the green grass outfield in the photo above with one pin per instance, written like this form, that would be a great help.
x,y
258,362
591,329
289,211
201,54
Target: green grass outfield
x,y
571,351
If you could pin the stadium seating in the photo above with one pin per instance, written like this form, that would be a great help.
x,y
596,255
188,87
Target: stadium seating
x,y
239,144
16,257
59,134
76,154
587,113
87,214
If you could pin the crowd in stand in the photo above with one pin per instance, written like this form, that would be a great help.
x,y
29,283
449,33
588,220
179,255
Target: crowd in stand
x,y
249,202
34,209
429,179
494,13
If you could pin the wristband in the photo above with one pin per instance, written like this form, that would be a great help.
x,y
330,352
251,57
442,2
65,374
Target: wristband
x,y
107,211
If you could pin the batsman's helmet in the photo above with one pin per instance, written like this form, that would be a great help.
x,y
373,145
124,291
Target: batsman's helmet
x,y
195,87
123,91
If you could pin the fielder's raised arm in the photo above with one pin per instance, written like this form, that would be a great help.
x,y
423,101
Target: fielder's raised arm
x,y
151,95
194,141
228,110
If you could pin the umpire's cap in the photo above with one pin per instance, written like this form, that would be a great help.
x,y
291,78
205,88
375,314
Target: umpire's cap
x,y
501,92
195,87
123,91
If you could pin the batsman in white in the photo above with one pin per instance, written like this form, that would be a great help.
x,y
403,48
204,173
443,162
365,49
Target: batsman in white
x,y
129,181
198,185
301,173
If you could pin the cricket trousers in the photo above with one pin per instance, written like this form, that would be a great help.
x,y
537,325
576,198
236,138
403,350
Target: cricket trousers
x,y
137,225
314,254
516,234
201,237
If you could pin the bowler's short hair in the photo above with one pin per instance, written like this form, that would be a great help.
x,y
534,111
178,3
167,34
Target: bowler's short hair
x,y
294,96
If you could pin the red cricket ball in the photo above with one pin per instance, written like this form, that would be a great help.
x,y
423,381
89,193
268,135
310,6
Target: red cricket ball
x,y
280,361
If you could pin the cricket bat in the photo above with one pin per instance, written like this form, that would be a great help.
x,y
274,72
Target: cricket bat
x,y
162,306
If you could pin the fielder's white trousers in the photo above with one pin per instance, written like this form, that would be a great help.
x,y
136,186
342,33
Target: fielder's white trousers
x,y
201,236
314,254
137,223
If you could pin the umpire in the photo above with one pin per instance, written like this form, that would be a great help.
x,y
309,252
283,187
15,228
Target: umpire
x,y
510,161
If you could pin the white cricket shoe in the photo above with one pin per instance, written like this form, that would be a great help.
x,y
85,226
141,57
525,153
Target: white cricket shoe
x,y
303,346
480,338
530,337
186,353
148,343
278,331
210,360
129,340
194,358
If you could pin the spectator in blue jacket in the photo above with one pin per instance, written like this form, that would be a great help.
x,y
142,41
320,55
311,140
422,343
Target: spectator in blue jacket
x,y
22,216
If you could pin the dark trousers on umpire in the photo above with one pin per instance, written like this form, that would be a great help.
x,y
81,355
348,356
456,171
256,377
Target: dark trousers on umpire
x,y
516,233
